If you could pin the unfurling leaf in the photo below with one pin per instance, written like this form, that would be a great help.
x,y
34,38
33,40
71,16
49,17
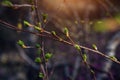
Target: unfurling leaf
x,y
66,31
44,17
38,60
85,57
27,23
38,28
95,47
41,75
19,25
53,33
48,55
77,47
7,3
21,43
113,58
37,45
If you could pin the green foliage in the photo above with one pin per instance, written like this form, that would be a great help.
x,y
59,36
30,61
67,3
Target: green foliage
x,y
44,16
21,43
77,47
85,57
19,26
113,58
37,28
27,23
7,3
95,47
53,33
66,31
48,56
38,60
41,75
37,46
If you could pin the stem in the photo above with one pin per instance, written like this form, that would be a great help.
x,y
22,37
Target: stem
x,y
44,66
54,38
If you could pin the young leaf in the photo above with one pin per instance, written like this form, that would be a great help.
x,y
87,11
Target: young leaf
x,y
7,3
19,25
38,28
41,75
37,45
85,57
48,55
77,47
27,23
113,58
95,47
38,60
21,43
44,17
53,33
66,31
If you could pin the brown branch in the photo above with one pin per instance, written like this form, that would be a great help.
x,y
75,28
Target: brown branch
x,y
62,40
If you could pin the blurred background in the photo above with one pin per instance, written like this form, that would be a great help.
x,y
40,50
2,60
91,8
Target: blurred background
x,y
89,22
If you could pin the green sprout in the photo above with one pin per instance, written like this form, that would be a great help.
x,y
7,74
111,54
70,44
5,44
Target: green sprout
x,y
48,56
7,3
41,75
53,33
37,46
38,60
95,47
38,28
27,23
44,17
85,57
113,58
21,43
66,31
77,47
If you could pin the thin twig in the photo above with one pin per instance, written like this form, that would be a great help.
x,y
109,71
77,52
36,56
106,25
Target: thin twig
x,y
62,40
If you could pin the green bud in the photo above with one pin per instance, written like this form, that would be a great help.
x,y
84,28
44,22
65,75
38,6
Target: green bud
x,y
7,3
113,58
95,47
38,60
44,17
27,23
41,75
66,31
48,55
77,47
38,28
37,45
85,57
53,33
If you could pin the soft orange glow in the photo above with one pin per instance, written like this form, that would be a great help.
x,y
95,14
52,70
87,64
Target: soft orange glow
x,y
66,12
70,7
